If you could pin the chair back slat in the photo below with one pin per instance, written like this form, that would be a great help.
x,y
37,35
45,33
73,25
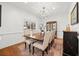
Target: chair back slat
x,y
46,39
52,36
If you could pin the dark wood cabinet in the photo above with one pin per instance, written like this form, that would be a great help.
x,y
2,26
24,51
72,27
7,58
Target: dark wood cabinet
x,y
70,44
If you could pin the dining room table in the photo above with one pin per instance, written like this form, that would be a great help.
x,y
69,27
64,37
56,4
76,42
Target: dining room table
x,y
35,36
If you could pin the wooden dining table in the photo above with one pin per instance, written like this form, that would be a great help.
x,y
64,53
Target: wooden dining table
x,y
35,36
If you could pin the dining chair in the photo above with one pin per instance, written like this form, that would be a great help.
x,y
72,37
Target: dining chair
x,y
43,46
26,32
52,37
28,41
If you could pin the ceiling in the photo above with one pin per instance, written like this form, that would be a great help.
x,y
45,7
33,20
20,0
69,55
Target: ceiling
x,y
53,9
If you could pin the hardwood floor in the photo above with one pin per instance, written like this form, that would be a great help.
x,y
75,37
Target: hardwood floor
x,y
19,50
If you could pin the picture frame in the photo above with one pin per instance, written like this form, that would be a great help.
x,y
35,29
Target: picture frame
x,y
74,15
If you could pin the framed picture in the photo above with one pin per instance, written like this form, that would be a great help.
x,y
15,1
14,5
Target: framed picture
x,y
33,25
74,15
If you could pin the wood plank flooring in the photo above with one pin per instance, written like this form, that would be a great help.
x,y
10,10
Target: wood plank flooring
x,y
19,50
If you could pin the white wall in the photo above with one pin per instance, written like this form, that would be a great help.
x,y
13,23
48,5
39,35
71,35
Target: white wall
x,y
12,22
11,19
76,26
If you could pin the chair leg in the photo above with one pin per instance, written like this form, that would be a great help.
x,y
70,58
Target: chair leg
x,y
29,48
33,51
49,46
42,53
47,50
52,43
25,45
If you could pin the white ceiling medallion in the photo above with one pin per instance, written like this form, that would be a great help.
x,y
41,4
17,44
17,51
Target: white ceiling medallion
x,y
53,8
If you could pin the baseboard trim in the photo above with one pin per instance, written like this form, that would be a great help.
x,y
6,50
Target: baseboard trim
x,y
17,43
60,37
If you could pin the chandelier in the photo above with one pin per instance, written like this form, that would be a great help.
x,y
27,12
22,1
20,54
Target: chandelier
x,y
43,13
43,16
